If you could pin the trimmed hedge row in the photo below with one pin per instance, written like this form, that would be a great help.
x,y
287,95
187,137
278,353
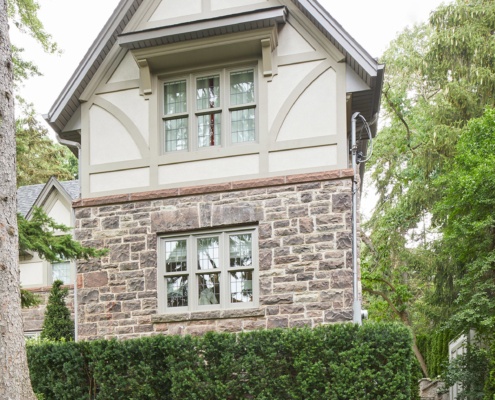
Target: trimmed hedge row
x,y
330,362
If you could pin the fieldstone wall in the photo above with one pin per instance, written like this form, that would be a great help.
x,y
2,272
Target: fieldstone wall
x,y
305,261
34,316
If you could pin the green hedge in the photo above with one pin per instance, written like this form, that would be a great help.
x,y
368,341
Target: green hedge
x,y
329,362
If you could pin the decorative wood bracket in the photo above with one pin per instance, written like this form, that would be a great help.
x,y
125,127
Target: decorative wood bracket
x,y
144,77
266,51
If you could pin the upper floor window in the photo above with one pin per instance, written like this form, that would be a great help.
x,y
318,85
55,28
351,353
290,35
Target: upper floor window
x,y
201,111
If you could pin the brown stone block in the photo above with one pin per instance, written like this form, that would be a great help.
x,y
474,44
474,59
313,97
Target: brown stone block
x,y
309,276
272,310
265,260
277,299
300,323
125,296
143,328
293,240
87,329
338,316
192,190
286,259
175,220
341,202
149,304
331,296
330,219
156,194
291,309
236,214
95,279
160,327
269,244
119,253
318,238
344,240
326,265
284,278
316,176
306,298
132,305
99,201
243,313
314,314
277,322
251,325
298,211
229,325
149,294
311,257
318,285
290,287
253,183
341,279
265,231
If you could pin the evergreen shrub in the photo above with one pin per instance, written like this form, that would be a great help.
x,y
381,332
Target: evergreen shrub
x,y
331,362
57,324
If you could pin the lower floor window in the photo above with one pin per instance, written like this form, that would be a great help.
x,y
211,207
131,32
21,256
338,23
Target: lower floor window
x,y
212,270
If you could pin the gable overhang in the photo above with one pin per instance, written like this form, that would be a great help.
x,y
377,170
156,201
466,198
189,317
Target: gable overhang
x,y
206,28
52,185
68,102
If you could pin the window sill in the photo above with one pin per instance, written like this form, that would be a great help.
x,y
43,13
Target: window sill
x,y
205,315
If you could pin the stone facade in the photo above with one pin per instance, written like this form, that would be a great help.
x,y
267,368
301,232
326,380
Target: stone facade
x,y
305,261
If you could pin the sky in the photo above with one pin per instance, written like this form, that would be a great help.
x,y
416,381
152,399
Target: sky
x,y
74,24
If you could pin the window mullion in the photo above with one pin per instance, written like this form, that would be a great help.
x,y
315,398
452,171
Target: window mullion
x,y
193,254
224,267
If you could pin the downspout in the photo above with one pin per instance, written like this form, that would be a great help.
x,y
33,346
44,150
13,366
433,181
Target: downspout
x,y
77,145
356,305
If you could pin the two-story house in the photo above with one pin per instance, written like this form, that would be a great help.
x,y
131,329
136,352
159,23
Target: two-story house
x,y
214,152
36,274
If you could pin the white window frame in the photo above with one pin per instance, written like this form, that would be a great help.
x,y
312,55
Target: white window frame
x,y
193,272
225,109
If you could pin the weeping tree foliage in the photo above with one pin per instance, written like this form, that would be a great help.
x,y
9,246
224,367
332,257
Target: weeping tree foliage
x,y
38,157
439,76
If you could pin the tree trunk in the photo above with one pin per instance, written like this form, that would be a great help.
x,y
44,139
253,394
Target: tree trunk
x,y
14,373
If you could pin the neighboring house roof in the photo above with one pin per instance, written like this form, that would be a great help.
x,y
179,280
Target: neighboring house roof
x,y
356,57
35,195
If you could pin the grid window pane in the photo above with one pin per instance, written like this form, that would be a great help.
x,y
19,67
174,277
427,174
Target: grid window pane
x,y
176,134
208,92
242,87
177,291
209,130
176,256
61,271
241,287
208,253
241,250
243,125
208,289
175,97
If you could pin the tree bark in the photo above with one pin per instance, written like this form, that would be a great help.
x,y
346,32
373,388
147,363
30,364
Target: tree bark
x,y
14,373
